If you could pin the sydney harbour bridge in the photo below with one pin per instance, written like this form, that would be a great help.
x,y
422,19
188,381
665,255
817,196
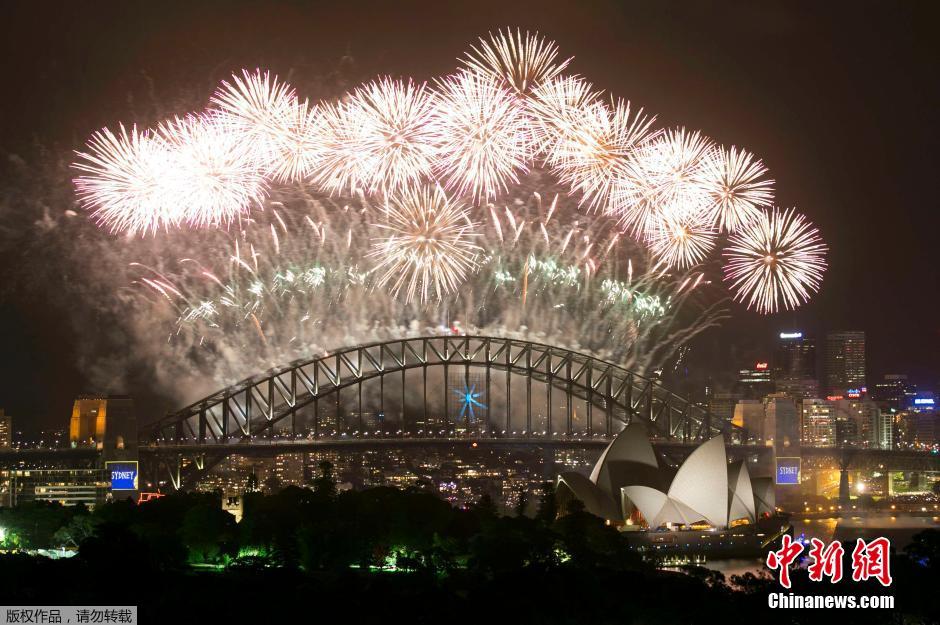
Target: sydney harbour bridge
x,y
402,393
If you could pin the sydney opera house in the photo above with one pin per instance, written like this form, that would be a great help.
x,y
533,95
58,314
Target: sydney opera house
x,y
630,487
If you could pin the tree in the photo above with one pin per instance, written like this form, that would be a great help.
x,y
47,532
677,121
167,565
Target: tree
x,y
208,532
523,502
325,484
548,504
79,528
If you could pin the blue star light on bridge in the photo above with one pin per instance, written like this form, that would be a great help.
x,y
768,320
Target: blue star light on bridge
x,y
468,400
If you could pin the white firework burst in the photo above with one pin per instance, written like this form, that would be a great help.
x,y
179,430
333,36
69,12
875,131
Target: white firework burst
x,y
430,247
592,153
519,61
777,259
733,180
124,180
485,136
216,177
680,244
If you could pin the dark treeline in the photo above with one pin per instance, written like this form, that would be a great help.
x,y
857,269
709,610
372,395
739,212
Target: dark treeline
x,y
387,555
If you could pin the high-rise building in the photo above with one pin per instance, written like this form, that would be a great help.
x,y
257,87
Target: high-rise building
x,y
755,382
782,421
894,392
859,422
749,414
721,406
845,363
794,366
819,423
108,423
6,430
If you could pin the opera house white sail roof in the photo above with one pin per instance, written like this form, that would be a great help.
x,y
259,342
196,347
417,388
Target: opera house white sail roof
x,y
706,488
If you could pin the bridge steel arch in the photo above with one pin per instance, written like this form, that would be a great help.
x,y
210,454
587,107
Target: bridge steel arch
x,y
253,407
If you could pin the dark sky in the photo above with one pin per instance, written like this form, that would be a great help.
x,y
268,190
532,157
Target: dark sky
x,y
838,98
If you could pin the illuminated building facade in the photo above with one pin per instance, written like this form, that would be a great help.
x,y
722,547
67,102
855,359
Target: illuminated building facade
x,y
819,423
749,414
845,363
107,423
782,422
755,382
894,392
6,430
721,406
794,366
68,487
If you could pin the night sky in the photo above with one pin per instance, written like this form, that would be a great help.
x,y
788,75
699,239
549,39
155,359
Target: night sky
x,y
838,98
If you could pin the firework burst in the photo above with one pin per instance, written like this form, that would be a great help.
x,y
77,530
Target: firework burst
x,y
123,181
216,177
733,181
394,132
519,61
592,154
556,107
778,259
258,104
674,165
298,144
429,248
485,136
681,244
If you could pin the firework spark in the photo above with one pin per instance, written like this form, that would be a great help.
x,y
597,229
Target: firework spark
x,y
260,106
390,137
778,259
123,181
216,177
519,61
485,137
682,244
430,246
674,166
298,144
733,181
592,154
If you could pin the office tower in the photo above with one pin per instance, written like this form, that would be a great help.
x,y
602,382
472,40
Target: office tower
x,y
819,427
845,363
6,430
782,421
894,392
754,382
794,366
721,406
749,414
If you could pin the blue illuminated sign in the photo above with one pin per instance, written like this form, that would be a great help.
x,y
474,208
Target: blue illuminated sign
x,y
923,401
123,475
791,335
788,471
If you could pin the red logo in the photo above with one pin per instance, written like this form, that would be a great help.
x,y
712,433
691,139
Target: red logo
x,y
783,558
869,560
872,560
827,562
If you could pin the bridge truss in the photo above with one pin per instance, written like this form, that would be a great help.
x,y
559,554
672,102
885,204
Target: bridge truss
x,y
406,387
